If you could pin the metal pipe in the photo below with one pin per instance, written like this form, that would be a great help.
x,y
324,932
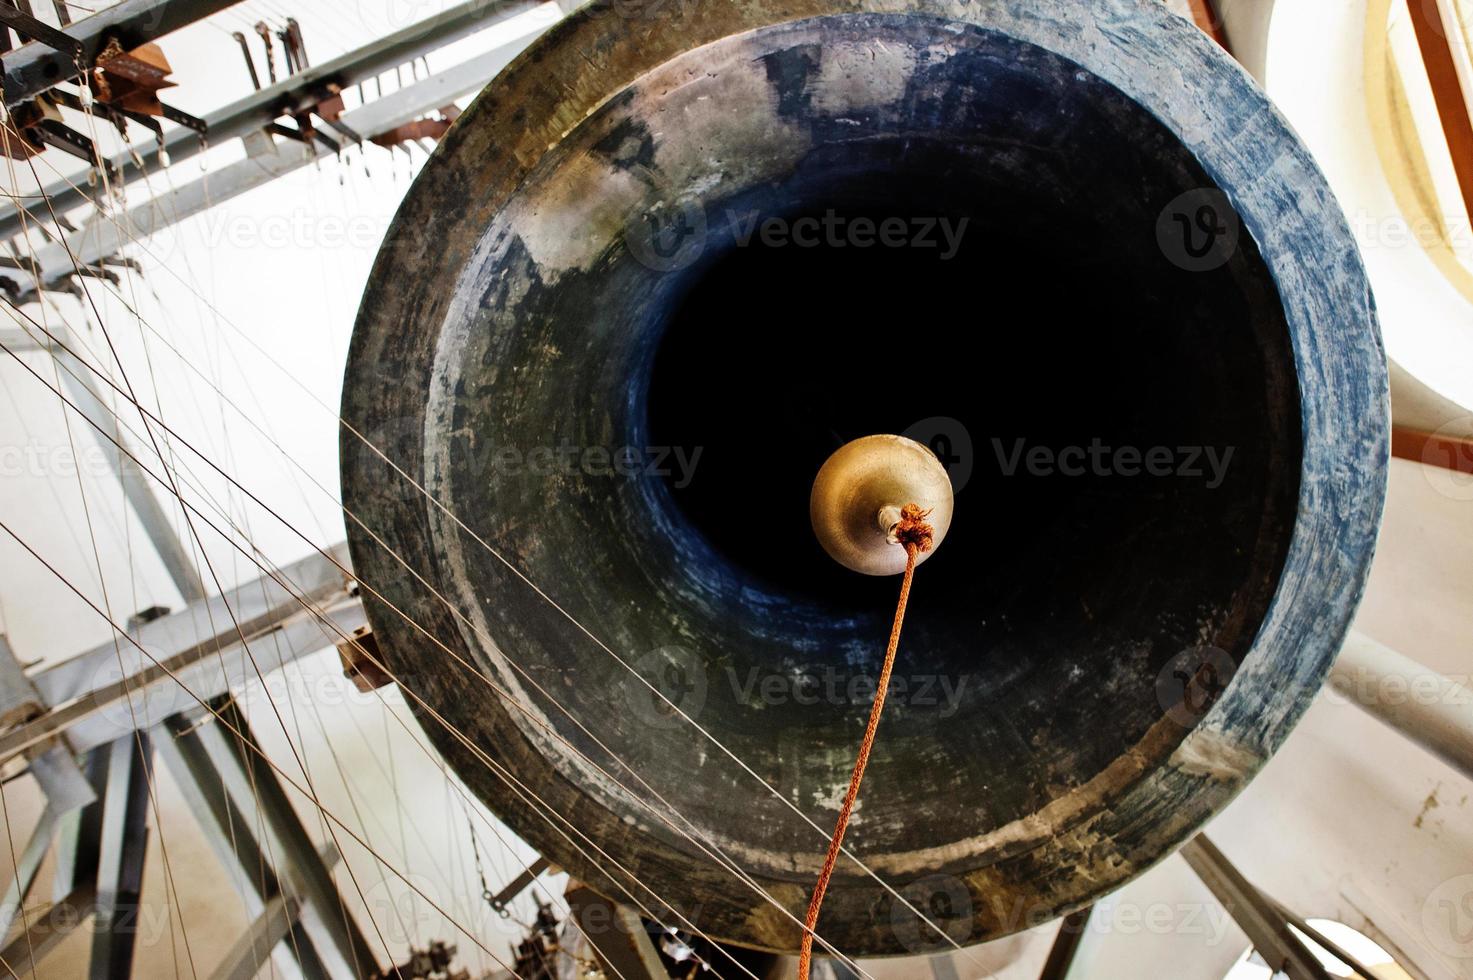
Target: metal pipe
x,y
1432,710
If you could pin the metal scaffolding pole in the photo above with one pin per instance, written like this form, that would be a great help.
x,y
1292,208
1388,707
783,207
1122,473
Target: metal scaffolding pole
x,y
1434,711
231,830
1268,930
122,847
255,790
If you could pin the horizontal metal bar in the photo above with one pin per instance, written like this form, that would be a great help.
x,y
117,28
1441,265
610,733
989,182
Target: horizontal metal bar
x,y
97,696
298,93
1432,710
29,28
33,68
105,235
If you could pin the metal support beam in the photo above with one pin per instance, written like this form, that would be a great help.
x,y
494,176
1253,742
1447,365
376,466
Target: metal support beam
x,y
123,847
297,94
278,921
244,959
1320,939
1255,914
1434,711
77,378
26,867
47,932
35,67
95,697
105,235
616,933
79,381
231,831
253,787
80,833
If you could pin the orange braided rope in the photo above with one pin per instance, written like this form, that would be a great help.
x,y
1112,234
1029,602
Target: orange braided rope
x,y
915,535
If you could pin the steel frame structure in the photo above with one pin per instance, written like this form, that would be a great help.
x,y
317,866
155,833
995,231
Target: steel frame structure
x,y
91,729
93,763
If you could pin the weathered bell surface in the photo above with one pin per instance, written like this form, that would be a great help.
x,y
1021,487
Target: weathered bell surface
x,y
675,257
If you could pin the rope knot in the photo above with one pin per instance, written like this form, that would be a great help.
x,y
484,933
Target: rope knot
x,y
913,531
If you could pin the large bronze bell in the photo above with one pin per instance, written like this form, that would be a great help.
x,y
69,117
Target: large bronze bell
x,y
679,253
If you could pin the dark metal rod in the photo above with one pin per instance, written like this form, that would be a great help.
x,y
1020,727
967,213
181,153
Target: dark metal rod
x,y
245,50
1066,945
293,846
1255,914
124,845
38,32
519,884
1333,948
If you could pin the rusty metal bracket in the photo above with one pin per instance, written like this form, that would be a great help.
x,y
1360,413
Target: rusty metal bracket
x,y
298,45
131,80
361,661
431,128
265,32
245,51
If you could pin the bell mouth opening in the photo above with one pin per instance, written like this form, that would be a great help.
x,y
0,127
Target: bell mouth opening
x,y
1115,403
750,258
755,244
